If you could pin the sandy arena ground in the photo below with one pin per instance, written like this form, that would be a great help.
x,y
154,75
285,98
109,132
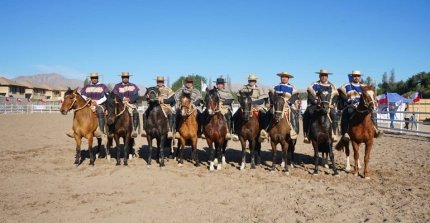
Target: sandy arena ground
x,y
39,183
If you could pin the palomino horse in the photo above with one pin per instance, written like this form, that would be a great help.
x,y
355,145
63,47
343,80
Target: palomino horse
x,y
187,127
215,130
361,130
247,126
120,124
321,132
84,122
155,125
279,129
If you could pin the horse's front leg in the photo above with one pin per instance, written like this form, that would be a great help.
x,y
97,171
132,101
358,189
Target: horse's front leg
x,y
285,148
367,151
78,141
90,149
126,149
99,146
347,153
161,146
195,152
118,150
252,154
108,146
332,160
149,139
273,144
181,159
316,156
243,144
219,154
356,147
211,154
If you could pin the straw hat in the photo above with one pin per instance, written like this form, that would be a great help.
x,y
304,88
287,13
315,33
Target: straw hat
x,y
323,71
159,78
125,74
355,72
252,77
94,75
220,80
285,74
189,79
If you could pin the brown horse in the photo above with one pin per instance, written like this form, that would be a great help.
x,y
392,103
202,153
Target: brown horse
x,y
279,129
187,127
120,124
361,130
215,130
247,127
84,122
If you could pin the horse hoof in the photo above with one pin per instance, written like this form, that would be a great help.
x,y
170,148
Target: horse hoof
x,y
180,164
97,156
326,166
223,161
287,173
148,166
211,167
130,156
219,167
108,158
253,167
216,161
242,166
283,164
356,174
118,164
336,175
348,169
367,178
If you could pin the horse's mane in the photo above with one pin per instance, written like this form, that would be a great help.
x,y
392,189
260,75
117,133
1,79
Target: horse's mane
x,y
68,92
111,98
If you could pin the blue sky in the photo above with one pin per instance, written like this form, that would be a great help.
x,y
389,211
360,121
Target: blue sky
x,y
210,38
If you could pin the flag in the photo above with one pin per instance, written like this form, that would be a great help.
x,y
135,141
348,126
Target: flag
x,y
203,85
417,97
382,99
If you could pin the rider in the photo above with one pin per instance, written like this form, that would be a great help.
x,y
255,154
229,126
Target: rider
x,y
129,93
95,92
167,101
196,99
260,102
351,92
289,90
312,89
226,100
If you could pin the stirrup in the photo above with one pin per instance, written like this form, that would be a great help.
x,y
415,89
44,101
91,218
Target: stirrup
x,y
228,136
143,133
334,138
203,136
169,135
263,134
306,140
234,137
177,135
134,134
346,137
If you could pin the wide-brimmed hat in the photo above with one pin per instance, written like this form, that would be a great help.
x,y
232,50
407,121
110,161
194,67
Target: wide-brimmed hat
x,y
252,77
125,74
285,74
355,72
159,78
220,80
94,75
189,79
323,71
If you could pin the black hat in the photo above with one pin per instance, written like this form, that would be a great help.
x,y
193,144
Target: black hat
x,y
220,80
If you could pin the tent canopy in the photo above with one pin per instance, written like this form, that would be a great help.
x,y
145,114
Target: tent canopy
x,y
396,98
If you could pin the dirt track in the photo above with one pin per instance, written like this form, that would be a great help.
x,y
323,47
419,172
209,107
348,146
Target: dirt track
x,y
39,183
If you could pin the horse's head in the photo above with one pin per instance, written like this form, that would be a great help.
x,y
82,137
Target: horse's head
x,y
245,102
112,101
186,104
69,100
152,95
212,101
278,104
368,99
324,99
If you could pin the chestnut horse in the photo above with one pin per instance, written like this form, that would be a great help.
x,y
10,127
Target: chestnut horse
x,y
247,126
85,122
187,127
279,129
321,132
215,130
361,130
155,125
120,124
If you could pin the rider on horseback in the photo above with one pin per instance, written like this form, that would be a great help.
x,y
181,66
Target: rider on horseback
x,y
289,90
351,93
196,98
129,93
260,100
167,101
95,92
226,100
312,89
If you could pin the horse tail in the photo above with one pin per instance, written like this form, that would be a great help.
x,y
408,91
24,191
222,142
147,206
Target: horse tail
x,y
341,144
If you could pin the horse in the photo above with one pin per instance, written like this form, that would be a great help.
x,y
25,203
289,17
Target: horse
x,y
85,122
361,130
120,124
247,127
279,129
215,130
188,127
321,132
294,119
155,125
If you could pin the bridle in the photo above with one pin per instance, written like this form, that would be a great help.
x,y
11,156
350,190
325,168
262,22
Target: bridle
x,y
366,104
322,102
216,110
75,99
190,108
244,109
276,110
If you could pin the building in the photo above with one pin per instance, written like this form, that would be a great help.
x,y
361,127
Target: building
x,y
30,91
10,88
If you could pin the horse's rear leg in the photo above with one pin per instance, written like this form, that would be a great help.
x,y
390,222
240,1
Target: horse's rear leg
x,y
347,153
78,141
258,150
356,146
118,150
285,153
181,155
316,157
149,138
195,154
211,154
291,149
273,144
99,146
160,146
332,160
108,146
90,149
126,150
367,151
243,144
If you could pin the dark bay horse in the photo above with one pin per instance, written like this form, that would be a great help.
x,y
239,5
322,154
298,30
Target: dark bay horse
x,y
120,124
247,126
215,130
155,125
279,129
188,127
361,130
321,132
85,122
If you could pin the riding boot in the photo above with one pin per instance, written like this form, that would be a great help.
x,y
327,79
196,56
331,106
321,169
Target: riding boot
x,y
294,124
233,129
375,125
306,123
227,117
144,118
333,125
201,118
135,124
264,125
344,123
171,124
100,129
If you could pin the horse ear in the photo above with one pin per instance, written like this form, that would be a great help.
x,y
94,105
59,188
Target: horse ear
x,y
207,90
271,95
75,90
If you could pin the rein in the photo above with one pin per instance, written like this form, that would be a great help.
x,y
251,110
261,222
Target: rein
x,y
75,100
123,110
193,108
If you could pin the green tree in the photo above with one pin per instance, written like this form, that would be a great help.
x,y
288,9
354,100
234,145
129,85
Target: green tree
x,y
197,82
